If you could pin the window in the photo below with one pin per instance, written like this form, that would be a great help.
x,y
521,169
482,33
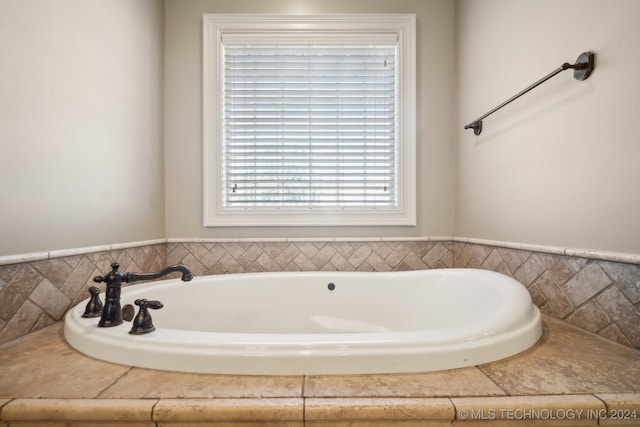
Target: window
x,y
309,126
309,120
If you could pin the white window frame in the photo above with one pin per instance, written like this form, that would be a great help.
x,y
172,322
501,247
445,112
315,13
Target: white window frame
x,y
215,25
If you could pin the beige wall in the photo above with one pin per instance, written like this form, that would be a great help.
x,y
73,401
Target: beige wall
x,y
436,106
81,135
81,121
559,166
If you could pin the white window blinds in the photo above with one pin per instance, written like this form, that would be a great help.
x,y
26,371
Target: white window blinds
x,y
309,125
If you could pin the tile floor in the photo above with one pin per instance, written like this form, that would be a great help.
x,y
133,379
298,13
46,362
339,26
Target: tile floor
x,y
570,377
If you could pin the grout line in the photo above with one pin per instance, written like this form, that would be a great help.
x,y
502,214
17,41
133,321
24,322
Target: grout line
x,y
153,411
506,393
304,410
8,401
113,383
603,402
455,411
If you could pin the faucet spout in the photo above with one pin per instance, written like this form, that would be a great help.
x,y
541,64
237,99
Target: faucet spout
x,y
187,275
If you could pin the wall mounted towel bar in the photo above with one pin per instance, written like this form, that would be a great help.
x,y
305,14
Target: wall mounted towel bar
x,y
581,70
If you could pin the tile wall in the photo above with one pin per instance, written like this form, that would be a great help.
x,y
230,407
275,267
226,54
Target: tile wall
x,y
599,296
37,293
243,257
602,297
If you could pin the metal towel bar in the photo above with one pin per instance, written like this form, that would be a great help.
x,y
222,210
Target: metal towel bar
x,y
581,70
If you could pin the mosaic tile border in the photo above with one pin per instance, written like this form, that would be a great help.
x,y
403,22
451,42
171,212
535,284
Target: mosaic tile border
x,y
600,296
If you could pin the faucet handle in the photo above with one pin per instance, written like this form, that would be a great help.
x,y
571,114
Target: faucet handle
x,y
143,324
94,306
145,303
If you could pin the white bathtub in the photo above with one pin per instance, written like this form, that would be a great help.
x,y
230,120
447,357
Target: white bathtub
x,y
292,323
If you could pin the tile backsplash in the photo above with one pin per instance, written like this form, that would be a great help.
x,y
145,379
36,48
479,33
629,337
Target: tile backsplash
x,y
244,257
599,296
602,297
37,293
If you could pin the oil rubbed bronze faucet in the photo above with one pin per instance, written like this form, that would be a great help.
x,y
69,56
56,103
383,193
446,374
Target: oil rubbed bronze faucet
x,y
112,312
143,324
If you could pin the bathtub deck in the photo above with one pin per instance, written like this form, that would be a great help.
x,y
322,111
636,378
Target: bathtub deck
x,y
569,378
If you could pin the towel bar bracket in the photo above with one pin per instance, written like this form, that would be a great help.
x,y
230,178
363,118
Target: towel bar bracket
x,y
583,67
581,71
476,126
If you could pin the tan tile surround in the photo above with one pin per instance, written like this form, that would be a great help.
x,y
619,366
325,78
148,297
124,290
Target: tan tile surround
x,y
597,295
572,377
559,381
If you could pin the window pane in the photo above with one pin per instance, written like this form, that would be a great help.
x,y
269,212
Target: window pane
x,y
310,126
